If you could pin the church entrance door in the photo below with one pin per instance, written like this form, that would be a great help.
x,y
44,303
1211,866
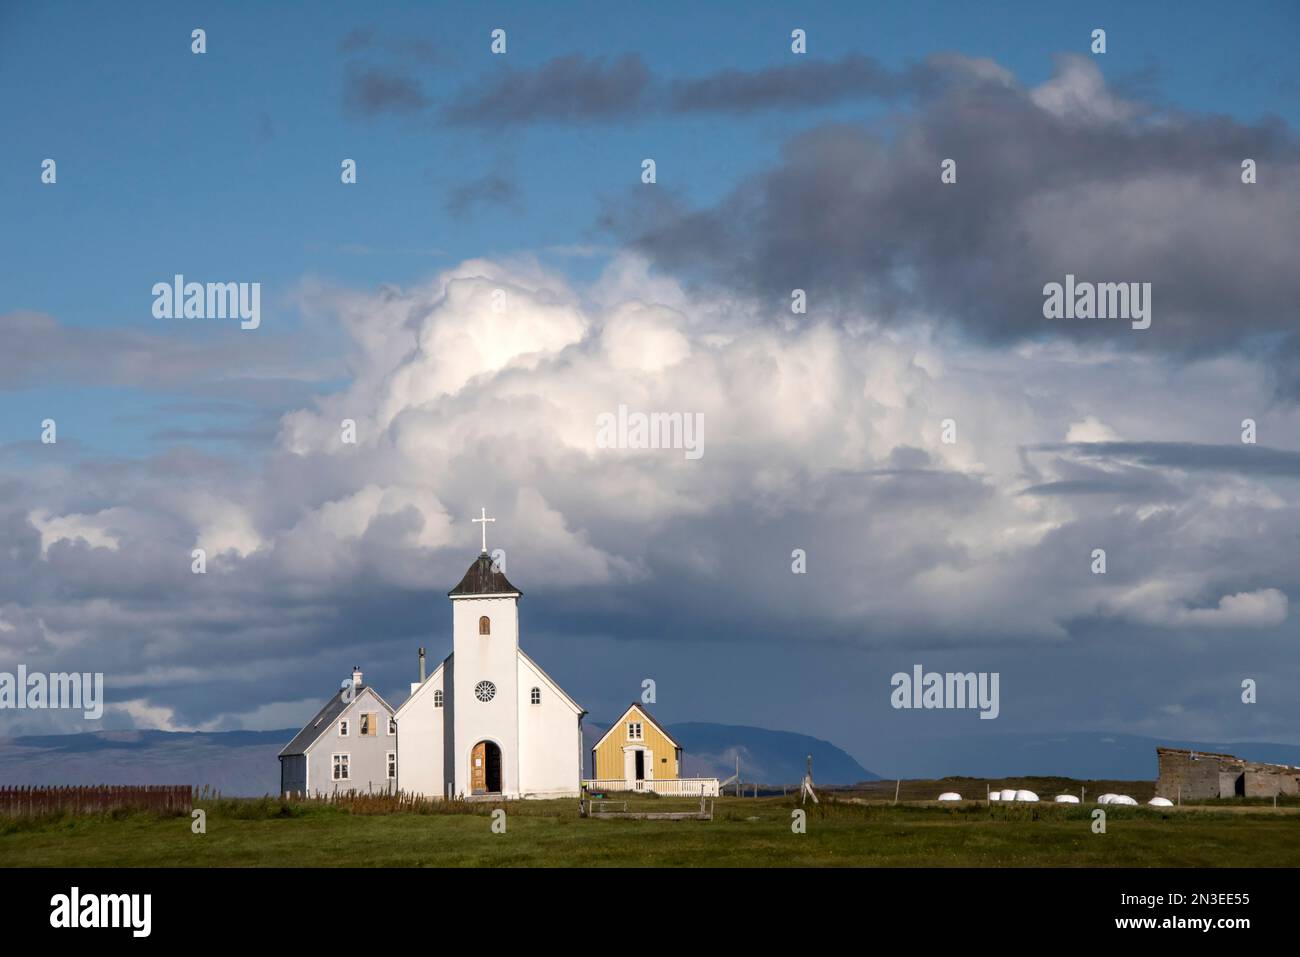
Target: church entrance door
x,y
485,769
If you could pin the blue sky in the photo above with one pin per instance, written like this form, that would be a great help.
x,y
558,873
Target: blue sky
x,y
225,167
226,164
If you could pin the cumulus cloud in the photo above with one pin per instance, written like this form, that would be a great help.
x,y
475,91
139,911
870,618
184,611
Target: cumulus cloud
x,y
483,387
1164,604
1063,178
94,531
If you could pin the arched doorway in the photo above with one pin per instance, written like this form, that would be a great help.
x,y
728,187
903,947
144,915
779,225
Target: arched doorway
x,y
485,769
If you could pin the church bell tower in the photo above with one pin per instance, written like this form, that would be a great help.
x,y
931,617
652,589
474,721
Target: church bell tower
x,y
485,705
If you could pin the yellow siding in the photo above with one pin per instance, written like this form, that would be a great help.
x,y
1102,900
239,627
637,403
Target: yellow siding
x,y
609,754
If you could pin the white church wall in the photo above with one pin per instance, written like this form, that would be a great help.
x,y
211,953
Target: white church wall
x,y
480,658
550,738
421,728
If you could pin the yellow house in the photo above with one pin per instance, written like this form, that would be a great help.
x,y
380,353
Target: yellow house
x,y
636,748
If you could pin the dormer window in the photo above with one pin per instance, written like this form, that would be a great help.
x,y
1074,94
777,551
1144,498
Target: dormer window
x,y
484,626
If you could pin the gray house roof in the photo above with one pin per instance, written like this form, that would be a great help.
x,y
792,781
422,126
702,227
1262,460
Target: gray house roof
x,y
325,719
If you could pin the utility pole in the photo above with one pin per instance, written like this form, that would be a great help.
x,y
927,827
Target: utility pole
x,y
806,789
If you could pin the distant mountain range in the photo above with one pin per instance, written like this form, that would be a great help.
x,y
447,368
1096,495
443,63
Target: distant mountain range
x,y
244,762
768,757
237,763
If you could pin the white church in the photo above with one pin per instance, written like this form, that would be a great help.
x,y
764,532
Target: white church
x,y
488,720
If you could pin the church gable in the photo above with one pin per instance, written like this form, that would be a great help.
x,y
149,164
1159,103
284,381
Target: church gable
x,y
531,675
425,692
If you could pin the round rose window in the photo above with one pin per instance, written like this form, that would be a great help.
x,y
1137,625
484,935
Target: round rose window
x,y
485,691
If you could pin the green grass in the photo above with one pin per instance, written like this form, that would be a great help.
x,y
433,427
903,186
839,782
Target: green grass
x,y
745,832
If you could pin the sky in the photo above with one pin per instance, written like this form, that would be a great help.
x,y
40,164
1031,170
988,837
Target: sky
x,y
499,276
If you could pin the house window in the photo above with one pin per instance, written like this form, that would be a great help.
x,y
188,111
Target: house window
x,y
392,725
392,765
342,769
369,724
437,698
484,626
535,696
343,729
634,730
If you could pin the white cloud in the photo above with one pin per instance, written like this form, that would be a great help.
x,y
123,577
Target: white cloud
x,y
95,530
820,435
1258,609
1078,92
1091,429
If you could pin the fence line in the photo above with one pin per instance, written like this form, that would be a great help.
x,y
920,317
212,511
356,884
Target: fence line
x,y
669,787
78,799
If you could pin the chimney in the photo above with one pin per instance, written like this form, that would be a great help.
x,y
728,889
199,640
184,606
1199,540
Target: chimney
x,y
356,676
421,665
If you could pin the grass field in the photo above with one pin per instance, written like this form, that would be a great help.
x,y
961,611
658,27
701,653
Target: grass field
x,y
744,832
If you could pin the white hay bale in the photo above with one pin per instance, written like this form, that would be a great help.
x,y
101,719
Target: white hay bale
x,y
1161,802
1122,799
1023,795
1008,794
995,795
949,796
1107,798
1067,799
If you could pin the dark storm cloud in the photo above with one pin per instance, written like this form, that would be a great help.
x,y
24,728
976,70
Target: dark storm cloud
x,y
1136,487
793,85
1286,370
370,91
363,39
41,350
1060,179
579,89
490,188
572,88
1254,460
357,39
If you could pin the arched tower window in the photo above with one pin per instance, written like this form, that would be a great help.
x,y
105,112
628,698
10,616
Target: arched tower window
x,y
484,626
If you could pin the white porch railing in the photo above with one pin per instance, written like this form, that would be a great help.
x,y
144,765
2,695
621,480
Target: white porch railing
x,y
669,787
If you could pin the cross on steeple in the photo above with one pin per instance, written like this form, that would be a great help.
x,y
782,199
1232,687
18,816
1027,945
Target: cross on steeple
x,y
483,519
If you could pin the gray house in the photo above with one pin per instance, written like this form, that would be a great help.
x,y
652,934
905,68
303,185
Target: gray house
x,y
351,745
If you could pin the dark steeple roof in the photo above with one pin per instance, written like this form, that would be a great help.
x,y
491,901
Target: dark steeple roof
x,y
483,578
